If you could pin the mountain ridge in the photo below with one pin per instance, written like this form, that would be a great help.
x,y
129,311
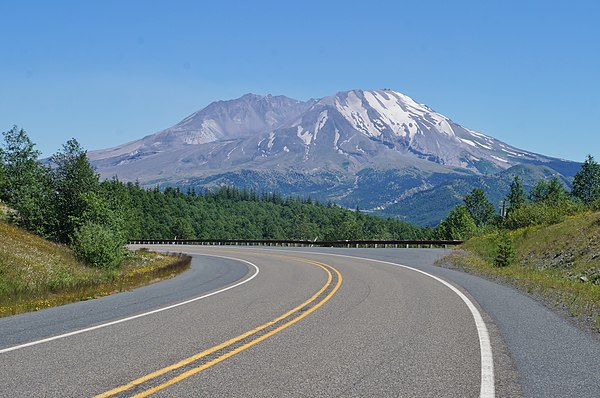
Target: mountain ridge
x,y
333,141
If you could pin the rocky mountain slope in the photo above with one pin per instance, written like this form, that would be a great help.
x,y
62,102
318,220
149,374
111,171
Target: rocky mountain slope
x,y
369,149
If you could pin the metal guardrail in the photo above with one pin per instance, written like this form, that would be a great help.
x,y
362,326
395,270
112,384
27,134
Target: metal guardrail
x,y
300,243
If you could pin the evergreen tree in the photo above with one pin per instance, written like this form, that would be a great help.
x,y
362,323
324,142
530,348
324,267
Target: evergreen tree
x,y
516,198
505,253
586,183
479,207
539,192
556,191
548,192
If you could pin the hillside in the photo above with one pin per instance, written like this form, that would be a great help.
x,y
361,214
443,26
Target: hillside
x,y
559,264
36,273
434,203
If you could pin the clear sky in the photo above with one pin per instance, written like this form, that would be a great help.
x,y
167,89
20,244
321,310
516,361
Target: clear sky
x,y
108,72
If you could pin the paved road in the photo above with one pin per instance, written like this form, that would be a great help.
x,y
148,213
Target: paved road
x,y
206,274
298,328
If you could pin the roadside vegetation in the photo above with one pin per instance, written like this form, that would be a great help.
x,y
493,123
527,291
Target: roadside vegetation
x,y
545,242
36,273
75,247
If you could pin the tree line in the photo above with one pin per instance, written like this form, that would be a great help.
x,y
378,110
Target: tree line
x,y
229,213
548,202
64,200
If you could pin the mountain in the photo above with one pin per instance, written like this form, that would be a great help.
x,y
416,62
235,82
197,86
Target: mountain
x,y
370,149
247,116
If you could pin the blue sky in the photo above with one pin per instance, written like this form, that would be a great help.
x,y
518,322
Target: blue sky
x,y
107,72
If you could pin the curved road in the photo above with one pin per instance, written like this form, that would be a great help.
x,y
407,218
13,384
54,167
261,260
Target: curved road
x,y
251,322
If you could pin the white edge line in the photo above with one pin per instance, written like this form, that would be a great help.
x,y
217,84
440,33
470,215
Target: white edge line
x,y
103,325
487,360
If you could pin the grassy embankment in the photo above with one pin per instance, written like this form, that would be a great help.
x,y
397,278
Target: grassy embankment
x,y
559,264
36,274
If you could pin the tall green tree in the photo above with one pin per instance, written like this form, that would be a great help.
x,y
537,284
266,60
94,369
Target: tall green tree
x,y
458,225
551,192
72,178
586,183
18,162
516,198
482,211
24,183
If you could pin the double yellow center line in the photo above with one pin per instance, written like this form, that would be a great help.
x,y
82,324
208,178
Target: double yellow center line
x,y
165,377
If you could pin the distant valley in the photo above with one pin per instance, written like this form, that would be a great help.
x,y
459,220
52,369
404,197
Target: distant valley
x,y
379,151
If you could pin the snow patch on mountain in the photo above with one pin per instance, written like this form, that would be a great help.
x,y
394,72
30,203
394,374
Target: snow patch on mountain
x,y
230,152
353,110
321,120
271,140
468,142
500,159
305,136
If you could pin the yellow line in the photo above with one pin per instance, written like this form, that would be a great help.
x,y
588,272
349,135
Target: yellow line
x,y
209,351
192,372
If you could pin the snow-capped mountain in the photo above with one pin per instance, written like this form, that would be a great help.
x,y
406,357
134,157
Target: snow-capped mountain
x,y
330,148
364,127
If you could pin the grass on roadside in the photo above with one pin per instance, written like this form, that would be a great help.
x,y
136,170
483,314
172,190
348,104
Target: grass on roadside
x,y
36,274
558,263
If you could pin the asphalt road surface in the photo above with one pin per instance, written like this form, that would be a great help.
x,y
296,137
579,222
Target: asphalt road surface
x,y
251,322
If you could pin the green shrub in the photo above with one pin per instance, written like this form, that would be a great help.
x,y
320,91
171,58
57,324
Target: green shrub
x,y
97,245
543,213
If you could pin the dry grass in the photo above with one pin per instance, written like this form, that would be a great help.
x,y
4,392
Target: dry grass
x,y
36,274
559,264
